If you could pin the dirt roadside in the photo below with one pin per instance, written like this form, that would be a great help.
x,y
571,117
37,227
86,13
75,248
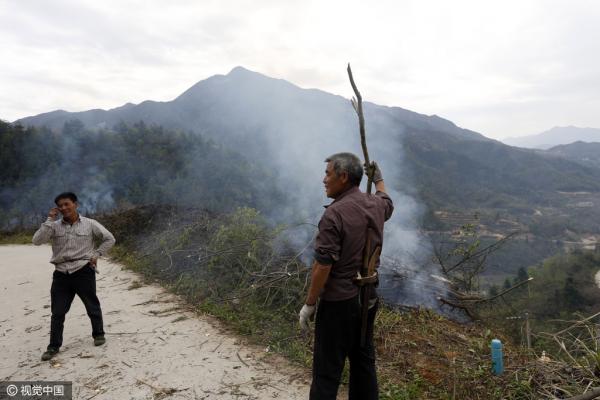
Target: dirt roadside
x,y
155,348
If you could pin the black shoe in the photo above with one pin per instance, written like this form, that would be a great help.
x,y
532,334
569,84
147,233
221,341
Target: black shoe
x,y
99,340
51,352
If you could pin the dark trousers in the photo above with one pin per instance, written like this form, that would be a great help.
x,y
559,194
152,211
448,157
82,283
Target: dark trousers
x,y
64,288
337,337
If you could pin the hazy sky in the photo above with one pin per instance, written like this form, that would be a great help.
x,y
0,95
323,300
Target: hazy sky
x,y
502,68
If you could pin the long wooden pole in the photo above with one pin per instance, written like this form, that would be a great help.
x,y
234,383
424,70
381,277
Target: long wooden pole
x,y
357,104
365,291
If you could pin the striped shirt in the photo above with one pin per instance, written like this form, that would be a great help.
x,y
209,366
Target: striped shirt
x,y
73,245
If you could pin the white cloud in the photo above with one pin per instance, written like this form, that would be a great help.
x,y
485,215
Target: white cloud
x,y
503,68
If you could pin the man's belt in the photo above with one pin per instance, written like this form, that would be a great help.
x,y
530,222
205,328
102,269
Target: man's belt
x,y
369,265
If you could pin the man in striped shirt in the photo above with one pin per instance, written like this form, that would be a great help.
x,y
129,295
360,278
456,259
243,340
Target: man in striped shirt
x,y
75,259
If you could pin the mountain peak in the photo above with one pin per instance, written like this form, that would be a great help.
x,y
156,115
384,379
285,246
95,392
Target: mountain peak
x,y
240,70
125,106
241,73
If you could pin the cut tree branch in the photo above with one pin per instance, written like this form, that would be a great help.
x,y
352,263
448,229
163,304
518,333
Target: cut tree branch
x,y
357,105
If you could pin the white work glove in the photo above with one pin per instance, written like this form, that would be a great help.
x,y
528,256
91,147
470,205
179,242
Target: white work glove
x,y
377,176
307,313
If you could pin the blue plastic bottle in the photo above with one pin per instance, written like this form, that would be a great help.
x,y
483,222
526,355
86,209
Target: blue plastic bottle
x,y
497,362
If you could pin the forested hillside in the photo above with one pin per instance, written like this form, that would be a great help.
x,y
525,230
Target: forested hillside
x,y
125,166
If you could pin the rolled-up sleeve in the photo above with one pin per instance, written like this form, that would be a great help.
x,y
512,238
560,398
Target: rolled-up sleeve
x,y
328,244
108,240
44,234
387,203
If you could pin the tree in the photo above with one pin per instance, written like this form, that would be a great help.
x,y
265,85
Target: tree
x,y
522,275
493,291
573,300
463,258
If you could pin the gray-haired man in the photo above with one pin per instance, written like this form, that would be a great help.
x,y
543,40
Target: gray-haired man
x,y
339,249
75,259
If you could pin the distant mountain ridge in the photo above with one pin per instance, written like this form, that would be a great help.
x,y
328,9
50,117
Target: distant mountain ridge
x,y
582,152
554,137
189,110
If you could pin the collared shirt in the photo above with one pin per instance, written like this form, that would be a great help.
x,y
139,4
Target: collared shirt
x,y
343,234
73,245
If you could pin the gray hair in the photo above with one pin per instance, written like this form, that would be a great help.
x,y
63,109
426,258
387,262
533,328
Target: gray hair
x,y
349,163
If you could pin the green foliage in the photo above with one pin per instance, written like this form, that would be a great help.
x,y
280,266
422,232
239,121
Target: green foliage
x,y
564,284
406,391
16,237
241,248
563,289
226,266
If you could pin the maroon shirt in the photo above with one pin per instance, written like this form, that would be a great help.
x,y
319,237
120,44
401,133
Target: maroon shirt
x,y
342,237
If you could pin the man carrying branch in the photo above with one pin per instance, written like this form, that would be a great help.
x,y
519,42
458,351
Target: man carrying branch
x,y
353,219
